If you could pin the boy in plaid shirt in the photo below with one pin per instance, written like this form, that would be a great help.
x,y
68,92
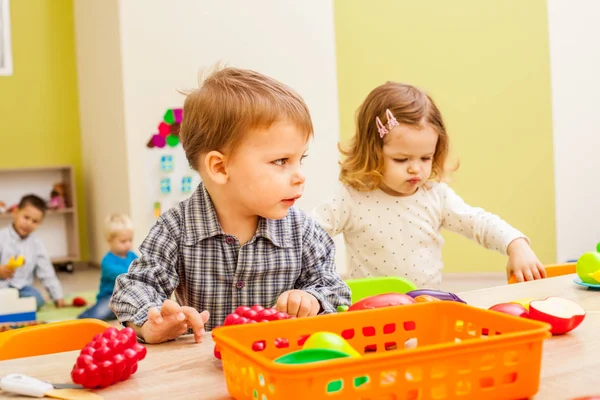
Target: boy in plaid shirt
x,y
237,240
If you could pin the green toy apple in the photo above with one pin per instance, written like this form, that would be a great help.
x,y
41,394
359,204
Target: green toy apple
x,y
587,265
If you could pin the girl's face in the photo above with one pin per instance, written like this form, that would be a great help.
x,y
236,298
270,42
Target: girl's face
x,y
408,156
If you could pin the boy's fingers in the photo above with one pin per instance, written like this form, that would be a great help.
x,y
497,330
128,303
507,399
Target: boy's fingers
x,y
154,316
196,321
536,273
282,302
169,308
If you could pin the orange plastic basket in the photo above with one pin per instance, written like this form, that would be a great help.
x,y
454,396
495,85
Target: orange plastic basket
x,y
438,350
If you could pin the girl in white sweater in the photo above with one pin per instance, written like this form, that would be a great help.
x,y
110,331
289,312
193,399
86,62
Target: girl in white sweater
x,y
392,204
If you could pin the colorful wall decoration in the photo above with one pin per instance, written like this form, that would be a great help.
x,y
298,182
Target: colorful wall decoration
x,y
169,178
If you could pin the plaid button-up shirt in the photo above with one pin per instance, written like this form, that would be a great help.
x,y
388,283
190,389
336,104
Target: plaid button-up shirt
x,y
188,253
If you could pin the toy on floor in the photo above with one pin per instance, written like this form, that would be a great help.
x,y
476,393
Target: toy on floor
x,y
15,262
79,302
320,346
110,357
251,315
16,309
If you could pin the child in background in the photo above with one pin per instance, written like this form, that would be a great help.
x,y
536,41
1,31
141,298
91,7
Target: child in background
x,y
237,240
392,204
119,234
19,239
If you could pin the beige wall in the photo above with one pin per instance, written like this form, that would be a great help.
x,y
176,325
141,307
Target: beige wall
x,y
103,137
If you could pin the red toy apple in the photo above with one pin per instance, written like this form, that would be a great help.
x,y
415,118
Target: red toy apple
x,y
562,314
382,300
514,309
79,302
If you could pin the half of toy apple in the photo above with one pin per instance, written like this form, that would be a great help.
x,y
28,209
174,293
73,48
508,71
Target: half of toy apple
x,y
562,314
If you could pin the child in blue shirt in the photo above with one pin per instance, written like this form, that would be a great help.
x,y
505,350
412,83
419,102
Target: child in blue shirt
x,y
119,234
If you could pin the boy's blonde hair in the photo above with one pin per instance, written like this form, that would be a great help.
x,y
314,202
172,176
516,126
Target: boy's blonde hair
x,y
362,167
231,102
116,223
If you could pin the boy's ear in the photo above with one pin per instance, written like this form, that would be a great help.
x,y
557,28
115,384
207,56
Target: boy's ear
x,y
215,165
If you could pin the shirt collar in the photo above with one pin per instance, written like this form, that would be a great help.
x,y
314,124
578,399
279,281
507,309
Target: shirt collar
x,y
14,235
200,222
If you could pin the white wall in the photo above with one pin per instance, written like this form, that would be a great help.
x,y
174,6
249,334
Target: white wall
x,y
575,73
165,43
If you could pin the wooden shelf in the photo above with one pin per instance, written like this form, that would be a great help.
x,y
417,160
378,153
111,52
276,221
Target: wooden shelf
x,y
48,213
60,229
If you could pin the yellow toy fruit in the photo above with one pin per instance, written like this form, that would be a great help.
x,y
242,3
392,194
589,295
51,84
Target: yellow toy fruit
x,y
15,263
330,341
524,302
595,276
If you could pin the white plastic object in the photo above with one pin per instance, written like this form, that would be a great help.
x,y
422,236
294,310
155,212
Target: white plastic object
x,y
25,385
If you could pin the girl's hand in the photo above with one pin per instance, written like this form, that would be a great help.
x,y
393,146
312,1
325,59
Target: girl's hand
x,y
523,263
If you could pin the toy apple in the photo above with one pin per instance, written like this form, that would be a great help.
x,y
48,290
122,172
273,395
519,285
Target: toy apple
x,y
587,265
563,315
514,309
382,300
79,302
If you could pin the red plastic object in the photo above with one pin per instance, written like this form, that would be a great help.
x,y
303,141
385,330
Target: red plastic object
x,y
250,315
382,300
164,129
562,314
110,357
79,302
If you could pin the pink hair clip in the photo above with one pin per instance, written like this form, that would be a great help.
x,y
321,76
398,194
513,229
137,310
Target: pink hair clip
x,y
391,123
381,128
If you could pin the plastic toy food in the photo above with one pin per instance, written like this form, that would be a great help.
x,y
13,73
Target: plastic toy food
x,y
514,309
330,341
79,302
446,296
110,357
382,300
251,315
15,262
588,267
562,314
306,356
425,298
524,302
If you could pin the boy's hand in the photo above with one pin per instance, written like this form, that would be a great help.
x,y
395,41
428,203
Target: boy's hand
x,y
298,303
173,321
60,303
6,272
523,262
